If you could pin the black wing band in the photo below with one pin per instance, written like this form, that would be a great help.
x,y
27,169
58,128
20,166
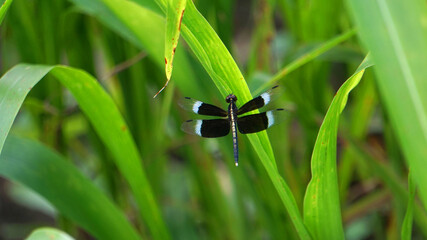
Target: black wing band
x,y
259,101
261,121
202,108
210,128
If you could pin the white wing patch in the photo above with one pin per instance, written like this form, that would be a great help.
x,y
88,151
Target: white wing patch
x,y
198,127
270,118
196,106
266,97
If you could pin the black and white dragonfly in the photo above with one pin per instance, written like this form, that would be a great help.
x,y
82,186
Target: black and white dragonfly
x,y
213,128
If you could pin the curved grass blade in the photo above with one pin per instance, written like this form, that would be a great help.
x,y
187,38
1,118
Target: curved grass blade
x,y
394,32
97,106
59,182
226,75
14,87
48,233
174,17
322,212
3,9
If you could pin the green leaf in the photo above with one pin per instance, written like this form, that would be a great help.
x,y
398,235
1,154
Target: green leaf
x,y
175,14
3,9
407,221
98,107
14,87
322,212
48,233
54,178
395,33
213,54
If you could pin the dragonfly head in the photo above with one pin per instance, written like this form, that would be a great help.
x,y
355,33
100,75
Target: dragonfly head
x,y
230,98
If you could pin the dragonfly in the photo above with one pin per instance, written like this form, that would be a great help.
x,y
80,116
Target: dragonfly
x,y
233,118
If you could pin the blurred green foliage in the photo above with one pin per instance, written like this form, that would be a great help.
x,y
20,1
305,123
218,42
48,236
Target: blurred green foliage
x,y
91,140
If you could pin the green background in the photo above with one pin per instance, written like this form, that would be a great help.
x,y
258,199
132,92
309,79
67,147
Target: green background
x,y
87,150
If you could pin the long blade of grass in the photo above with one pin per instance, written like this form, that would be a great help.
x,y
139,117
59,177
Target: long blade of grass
x,y
3,9
407,221
226,75
57,180
322,212
395,34
104,116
